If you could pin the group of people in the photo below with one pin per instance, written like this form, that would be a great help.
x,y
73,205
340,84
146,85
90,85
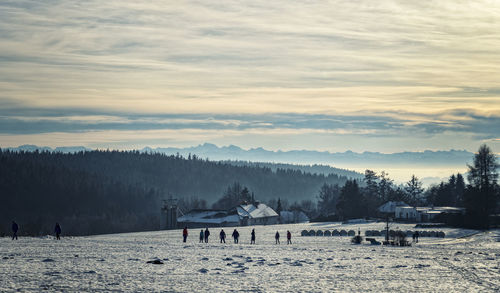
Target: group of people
x,y
15,228
204,234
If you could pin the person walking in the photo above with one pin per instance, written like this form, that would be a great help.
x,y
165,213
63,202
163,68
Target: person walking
x,y
277,237
202,236
236,235
252,240
57,230
207,233
222,236
15,228
184,234
416,235
288,237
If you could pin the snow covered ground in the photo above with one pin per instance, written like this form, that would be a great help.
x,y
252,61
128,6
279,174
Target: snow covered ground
x,y
118,263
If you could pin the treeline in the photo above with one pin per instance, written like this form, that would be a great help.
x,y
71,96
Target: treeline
x,y
315,168
361,198
120,191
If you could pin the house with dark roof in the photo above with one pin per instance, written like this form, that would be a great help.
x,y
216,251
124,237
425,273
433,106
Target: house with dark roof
x,y
241,215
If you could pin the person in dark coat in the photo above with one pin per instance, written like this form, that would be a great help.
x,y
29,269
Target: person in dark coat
x,y
57,230
222,235
185,234
15,228
252,241
236,235
207,233
202,236
416,235
288,237
277,237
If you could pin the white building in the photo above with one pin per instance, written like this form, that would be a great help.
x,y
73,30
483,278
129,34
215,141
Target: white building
x,y
242,215
424,214
390,207
256,214
208,218
287,217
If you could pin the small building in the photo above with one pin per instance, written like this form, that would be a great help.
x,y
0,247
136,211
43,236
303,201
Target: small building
x,y
242,215
389,208
406,213
295,216
208,218
424,214
256,214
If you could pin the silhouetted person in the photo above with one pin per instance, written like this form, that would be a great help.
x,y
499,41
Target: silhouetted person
x,y
185,234
15,228
236,235
277,237
202,235
207,233
416,235
252,241
288,237
222,236
57,230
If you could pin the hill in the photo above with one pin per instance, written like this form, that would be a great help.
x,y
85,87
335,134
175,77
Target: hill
x,y
119,191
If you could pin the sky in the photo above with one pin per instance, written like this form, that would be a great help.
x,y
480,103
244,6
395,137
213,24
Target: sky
x,y
386,76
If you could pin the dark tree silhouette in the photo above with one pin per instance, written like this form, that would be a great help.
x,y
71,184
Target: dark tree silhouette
x,y
350,203
482,193
414,190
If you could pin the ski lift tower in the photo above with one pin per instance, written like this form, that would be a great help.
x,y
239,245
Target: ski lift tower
x,y
169,214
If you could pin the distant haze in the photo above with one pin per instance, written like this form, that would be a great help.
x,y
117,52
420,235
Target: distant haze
x,y
386,76
430,166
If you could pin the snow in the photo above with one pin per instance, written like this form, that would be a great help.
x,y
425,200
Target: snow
x,y
254,212
209,217
466,260
390,206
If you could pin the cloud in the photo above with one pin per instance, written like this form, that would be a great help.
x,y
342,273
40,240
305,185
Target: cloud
x,y
392,69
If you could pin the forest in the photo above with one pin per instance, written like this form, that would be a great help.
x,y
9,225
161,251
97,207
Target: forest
x,y
94,192
480,196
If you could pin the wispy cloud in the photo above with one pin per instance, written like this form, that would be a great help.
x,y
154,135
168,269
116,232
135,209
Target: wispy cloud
x,y
405,72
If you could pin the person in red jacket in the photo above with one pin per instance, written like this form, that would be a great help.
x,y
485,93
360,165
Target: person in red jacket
x,y
185,234
288,237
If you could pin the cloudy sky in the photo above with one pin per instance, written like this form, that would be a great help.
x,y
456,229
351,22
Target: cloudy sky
x,y
360,75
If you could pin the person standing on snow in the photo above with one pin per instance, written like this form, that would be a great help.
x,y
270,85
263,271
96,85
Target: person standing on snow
x,y
185,234
202,235
207,233
15,228
252,241
222,236
57,230
236,235
277,237
288,237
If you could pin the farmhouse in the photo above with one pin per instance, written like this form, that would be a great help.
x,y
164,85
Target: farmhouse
x,y
241,215
424,214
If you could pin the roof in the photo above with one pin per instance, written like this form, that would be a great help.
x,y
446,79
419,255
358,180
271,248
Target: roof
x,y
298,216
209,217
255,211
390,206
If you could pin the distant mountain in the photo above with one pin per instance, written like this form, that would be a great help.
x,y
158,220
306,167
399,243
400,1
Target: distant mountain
x,y
304,160
231,152
65,149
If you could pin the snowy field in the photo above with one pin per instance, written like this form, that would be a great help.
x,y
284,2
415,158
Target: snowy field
x,y
464,261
